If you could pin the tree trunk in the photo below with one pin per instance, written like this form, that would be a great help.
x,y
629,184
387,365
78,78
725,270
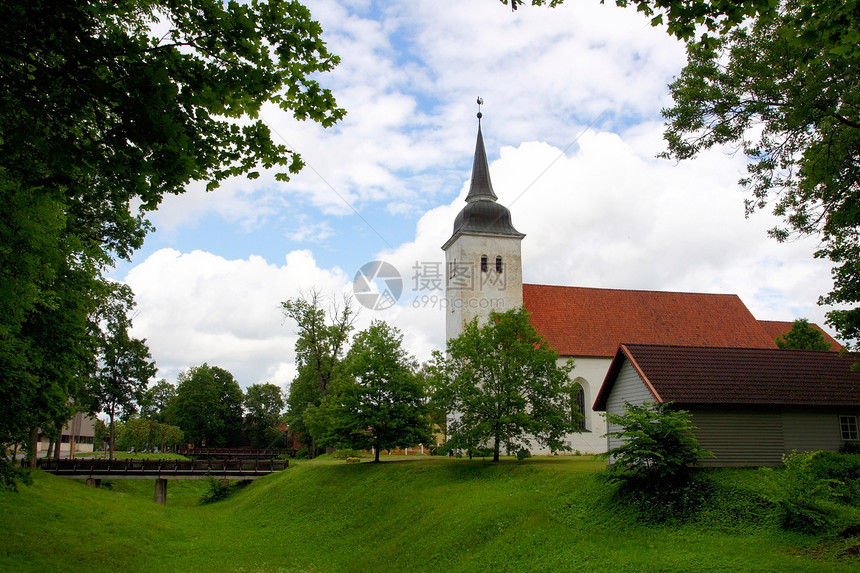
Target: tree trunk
x,y
376,453
34,444
496,446
50,451
111,439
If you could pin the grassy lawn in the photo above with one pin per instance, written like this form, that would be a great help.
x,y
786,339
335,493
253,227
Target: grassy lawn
x,y
407,514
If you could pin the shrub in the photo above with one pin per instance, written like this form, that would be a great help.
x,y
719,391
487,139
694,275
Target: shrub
x,y
842,474
849,448
343,454
657,443
302,454
219,490
653,465
523,453
815,491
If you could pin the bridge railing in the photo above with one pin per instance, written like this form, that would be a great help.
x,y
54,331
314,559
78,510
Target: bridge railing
x,y
166,468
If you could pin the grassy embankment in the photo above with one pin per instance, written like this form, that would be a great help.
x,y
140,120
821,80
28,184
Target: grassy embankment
x,y
429,514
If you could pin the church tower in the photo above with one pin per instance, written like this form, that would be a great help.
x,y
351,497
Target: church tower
x,y
483,259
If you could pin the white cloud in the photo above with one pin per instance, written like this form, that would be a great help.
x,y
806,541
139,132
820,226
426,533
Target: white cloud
x,y
198,307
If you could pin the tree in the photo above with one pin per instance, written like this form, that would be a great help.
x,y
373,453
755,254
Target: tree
x,y
124,363
504,385
209,406
379,403
158,400
685,19
319,351
173,91
264,404
785,91
100,433
803,336
105,108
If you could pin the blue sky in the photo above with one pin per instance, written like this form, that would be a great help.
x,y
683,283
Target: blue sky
x,y
572,127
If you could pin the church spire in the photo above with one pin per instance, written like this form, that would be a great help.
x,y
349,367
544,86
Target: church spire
x,y
481,188
482,215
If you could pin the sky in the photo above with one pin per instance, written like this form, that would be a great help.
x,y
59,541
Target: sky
x,y
572,127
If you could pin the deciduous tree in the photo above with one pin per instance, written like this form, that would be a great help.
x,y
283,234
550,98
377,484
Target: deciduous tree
x,y
320,348
785,91
686,18
124,365
803,336
105,108
209,406
380,401
158,401
264,404
783,88
503,383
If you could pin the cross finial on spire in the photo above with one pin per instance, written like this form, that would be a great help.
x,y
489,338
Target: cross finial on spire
x,y
480,103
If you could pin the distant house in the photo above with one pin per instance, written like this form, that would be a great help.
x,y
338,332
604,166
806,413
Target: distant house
x,y
749,405
76,438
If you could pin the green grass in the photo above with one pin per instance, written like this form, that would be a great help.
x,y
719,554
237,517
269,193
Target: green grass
x,y
413,514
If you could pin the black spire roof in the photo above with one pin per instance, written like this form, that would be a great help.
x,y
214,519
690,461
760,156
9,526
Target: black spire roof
x,y
482,214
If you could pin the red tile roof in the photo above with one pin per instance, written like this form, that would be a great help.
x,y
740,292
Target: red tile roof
x,y
579,321
777,328
703,375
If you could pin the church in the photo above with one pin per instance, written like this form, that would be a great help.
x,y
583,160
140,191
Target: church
x,y
484,272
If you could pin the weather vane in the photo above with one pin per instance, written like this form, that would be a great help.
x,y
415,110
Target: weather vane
x,y
480,103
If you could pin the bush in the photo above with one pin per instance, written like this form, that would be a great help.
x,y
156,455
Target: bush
x,y
343,454
523,453
303,454
653,467
219,490
842,474
849,448
814,488
658,444
11,474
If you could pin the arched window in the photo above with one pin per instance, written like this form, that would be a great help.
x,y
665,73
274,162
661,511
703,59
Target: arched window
x,y
483,263
498,264
577,405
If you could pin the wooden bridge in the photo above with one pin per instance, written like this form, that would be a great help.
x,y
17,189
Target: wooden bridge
x,y
95,470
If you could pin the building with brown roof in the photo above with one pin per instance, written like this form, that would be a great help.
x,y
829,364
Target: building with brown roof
x,y
749,405
484,273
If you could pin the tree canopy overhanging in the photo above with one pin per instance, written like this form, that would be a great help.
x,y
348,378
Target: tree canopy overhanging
x,y
684,19
786,91
105,108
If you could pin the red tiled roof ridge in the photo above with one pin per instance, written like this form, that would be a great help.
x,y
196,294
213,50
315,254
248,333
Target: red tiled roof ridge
x,y
629,290
588,321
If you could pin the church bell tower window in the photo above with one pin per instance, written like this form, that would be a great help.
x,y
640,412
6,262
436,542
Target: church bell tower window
x,y
483,263
498,264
